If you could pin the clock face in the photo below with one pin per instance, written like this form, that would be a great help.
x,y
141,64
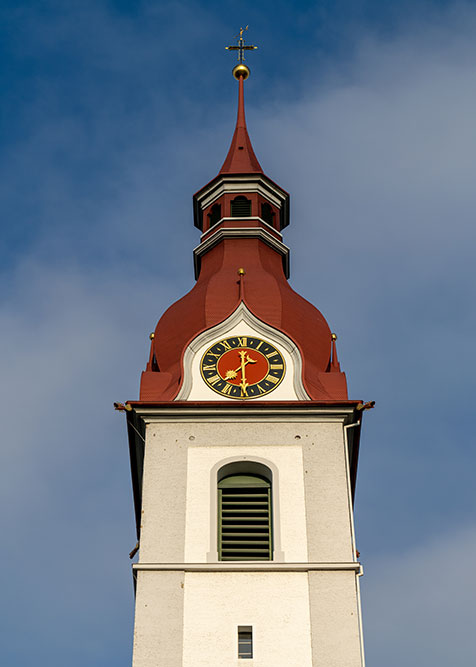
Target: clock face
x,y
242,367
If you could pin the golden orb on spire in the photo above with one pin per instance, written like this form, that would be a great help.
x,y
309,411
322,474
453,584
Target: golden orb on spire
x,y
241,71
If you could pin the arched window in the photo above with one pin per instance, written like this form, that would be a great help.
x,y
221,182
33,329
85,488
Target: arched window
x,y
240,207
267,213
244,516
215,214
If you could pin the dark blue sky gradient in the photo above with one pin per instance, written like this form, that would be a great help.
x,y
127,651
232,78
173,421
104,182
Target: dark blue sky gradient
x,y
112,115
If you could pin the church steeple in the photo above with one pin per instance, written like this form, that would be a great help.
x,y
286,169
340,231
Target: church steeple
x,y
244,448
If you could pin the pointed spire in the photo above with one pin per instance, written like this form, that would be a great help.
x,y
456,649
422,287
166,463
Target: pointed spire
x,y
241,158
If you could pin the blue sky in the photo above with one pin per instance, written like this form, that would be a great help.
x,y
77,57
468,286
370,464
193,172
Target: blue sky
x,y
113,114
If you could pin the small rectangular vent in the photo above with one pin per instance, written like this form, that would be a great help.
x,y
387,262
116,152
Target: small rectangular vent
x,y
245,641
245,523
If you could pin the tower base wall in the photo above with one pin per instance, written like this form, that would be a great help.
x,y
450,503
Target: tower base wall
x,y
298,619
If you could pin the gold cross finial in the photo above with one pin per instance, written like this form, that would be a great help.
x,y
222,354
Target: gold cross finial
x,y
241,47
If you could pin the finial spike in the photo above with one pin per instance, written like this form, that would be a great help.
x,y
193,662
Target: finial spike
x,y
334,366
241,272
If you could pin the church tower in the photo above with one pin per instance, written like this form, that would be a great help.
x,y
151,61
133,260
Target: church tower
x,y
244,448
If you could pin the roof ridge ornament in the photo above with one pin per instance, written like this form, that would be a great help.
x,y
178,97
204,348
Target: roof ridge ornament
x,y
241,70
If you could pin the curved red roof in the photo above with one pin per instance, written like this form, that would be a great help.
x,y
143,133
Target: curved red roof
x,y
268,296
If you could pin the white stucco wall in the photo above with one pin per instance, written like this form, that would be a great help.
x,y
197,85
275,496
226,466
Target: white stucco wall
x,y
327,492
314,506
335,619
158,624
276,606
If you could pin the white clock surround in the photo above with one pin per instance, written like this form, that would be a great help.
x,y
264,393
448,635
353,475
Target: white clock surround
x,y
242,323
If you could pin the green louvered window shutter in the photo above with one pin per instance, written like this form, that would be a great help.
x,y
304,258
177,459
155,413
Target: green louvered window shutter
x,y
244,518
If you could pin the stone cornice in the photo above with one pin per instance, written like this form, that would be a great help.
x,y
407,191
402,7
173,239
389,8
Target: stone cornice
x,y
301,412
237,233
246,566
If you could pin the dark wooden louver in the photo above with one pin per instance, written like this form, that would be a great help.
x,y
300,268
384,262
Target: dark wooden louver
x,y
240,207
244,518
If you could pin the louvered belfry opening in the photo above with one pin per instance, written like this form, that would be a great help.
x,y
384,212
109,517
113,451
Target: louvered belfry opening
x,y
244,518
240,207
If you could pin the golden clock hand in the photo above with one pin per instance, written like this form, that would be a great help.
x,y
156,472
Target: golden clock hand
x,y
243,383
231,374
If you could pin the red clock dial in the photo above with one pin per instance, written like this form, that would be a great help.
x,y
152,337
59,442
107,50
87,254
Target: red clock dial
x,y
242,367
